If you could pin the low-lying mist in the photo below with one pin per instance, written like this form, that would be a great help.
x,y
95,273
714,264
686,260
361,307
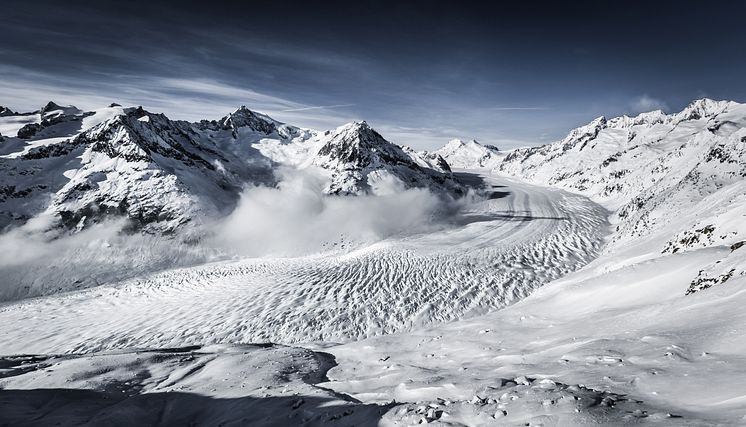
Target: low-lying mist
x,y
32,265
294,219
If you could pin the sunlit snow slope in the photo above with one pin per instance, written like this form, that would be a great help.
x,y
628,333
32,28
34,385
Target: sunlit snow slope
x,y
498,251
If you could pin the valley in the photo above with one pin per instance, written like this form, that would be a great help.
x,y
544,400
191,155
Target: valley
x,y
596,280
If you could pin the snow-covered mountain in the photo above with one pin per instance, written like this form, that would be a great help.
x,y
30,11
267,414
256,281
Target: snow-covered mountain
x,y
360,160
676,177
248,134
67,169
74,168
470,154
355,159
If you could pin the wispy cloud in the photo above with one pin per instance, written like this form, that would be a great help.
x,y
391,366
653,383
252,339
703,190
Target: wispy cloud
x,y
518,108
179,98
318,107
216,89
646,103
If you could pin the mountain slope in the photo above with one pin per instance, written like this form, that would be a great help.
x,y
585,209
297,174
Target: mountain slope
x,y
359,161
158,173
251,135
676,179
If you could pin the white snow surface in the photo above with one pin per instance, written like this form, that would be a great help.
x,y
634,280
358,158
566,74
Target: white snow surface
x,y
527,308
631,332
470,154
494,253
214,385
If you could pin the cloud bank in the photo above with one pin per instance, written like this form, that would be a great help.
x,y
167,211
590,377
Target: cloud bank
x,y
32,265
296,218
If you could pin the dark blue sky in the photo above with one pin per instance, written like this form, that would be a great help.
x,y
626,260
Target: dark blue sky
x,y
421,73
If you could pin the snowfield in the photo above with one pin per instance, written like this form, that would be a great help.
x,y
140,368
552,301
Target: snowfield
x,y
217,385
597,280
669,359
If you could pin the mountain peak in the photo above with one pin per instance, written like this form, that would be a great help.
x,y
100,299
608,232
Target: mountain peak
x,y
706,102
697,109
583,134
468,154
457,143
598,121
357,125
646,118
360,158
592,126
242,110
51,105
454,144
704,107
52,108
244,117
358,132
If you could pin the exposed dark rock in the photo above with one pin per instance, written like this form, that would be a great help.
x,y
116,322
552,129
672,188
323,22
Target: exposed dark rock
x,y
5,111
28,131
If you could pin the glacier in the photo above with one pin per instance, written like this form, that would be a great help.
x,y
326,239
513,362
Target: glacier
x,y
594,280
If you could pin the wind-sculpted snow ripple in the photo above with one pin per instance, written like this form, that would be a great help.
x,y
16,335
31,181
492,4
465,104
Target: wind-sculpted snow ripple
x,y
493,255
